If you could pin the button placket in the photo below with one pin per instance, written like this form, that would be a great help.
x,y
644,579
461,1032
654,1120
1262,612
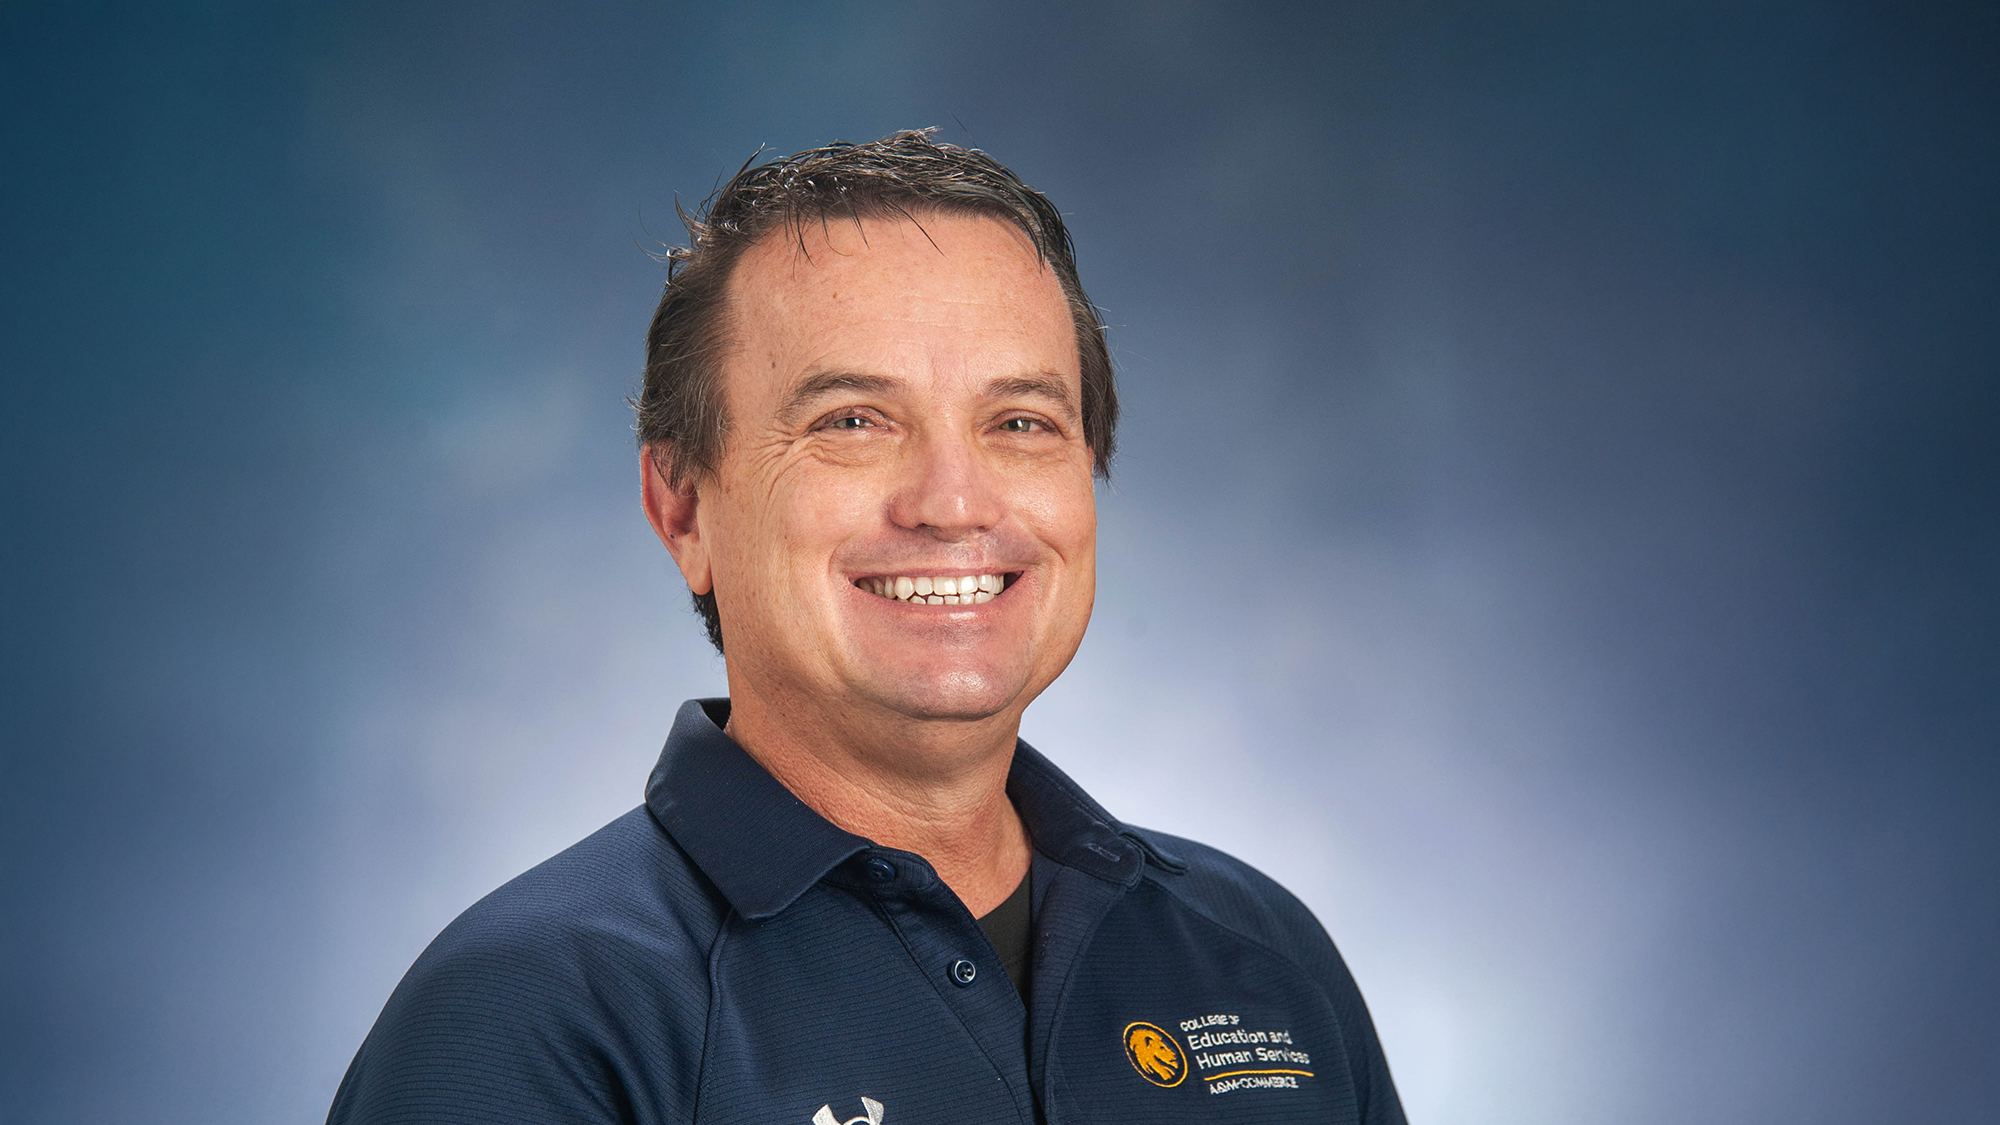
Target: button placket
x,y
943,941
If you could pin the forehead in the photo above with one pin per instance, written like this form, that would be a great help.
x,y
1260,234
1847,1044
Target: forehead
x,y
928,295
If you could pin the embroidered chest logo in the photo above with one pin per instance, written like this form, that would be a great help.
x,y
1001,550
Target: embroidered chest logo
x,y
1228,1054
871,1114
1154,1054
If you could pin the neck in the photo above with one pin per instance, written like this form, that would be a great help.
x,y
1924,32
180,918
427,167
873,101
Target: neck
x,y
935,788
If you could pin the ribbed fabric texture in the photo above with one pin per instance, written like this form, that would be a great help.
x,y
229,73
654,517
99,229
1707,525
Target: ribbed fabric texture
x,y
724,954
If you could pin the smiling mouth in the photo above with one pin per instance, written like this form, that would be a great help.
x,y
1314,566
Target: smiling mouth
x,y
959,589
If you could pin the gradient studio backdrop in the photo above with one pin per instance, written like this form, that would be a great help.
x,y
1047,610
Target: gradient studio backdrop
x,y
1556,532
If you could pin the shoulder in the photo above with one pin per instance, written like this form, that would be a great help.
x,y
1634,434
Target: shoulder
x,y
557,994
624,889
1235,895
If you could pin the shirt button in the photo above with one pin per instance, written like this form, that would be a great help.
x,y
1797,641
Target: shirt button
x,y
881,870
962,972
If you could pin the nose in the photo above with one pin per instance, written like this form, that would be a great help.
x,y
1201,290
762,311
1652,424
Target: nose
x,y
950,491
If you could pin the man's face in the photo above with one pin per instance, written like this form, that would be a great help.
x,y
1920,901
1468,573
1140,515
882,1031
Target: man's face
x,y
904,407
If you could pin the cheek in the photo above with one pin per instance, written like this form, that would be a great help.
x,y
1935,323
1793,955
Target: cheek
x,y
829,503
1064,515
795,527
1083,520
753,541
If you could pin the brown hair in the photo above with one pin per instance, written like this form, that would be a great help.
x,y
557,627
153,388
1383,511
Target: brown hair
x,y
681,417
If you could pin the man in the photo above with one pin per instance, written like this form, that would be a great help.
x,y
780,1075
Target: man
x,y
876,404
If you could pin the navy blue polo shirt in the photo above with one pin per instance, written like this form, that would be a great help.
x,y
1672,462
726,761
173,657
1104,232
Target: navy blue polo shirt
x,y
725,954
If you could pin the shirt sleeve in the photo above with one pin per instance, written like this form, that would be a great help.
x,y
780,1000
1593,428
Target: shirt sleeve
x,y
1380,1105
577,993
488,1031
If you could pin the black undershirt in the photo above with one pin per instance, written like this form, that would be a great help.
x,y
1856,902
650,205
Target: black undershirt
x,y
1010,926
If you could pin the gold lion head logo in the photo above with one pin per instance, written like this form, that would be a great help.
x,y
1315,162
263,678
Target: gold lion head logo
x,y
1154,1054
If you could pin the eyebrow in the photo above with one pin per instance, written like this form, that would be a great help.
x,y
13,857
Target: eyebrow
x,y
1052,387
820,384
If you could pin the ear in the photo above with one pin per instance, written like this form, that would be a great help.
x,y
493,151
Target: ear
x,y
671,511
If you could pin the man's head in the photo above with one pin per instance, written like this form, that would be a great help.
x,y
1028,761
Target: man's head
x,y
883,380
683,418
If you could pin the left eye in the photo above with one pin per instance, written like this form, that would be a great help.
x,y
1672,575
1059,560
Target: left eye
x,y
1018,425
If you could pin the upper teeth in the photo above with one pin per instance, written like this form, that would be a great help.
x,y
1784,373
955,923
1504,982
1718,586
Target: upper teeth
x,y
963,589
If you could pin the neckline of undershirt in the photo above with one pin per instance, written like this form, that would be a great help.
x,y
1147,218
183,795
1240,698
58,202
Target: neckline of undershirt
x,y
1010,927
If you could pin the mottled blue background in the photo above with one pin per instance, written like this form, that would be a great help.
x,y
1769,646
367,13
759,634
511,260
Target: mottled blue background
x,y
1557,530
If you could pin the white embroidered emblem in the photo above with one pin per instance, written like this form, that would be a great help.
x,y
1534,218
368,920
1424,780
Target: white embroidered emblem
x,y
871,1114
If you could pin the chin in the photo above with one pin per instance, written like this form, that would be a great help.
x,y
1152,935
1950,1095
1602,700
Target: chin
x,y
961,695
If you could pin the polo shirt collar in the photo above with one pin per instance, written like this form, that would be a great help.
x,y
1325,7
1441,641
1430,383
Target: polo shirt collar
x,y
763,847
759,844
1071,828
